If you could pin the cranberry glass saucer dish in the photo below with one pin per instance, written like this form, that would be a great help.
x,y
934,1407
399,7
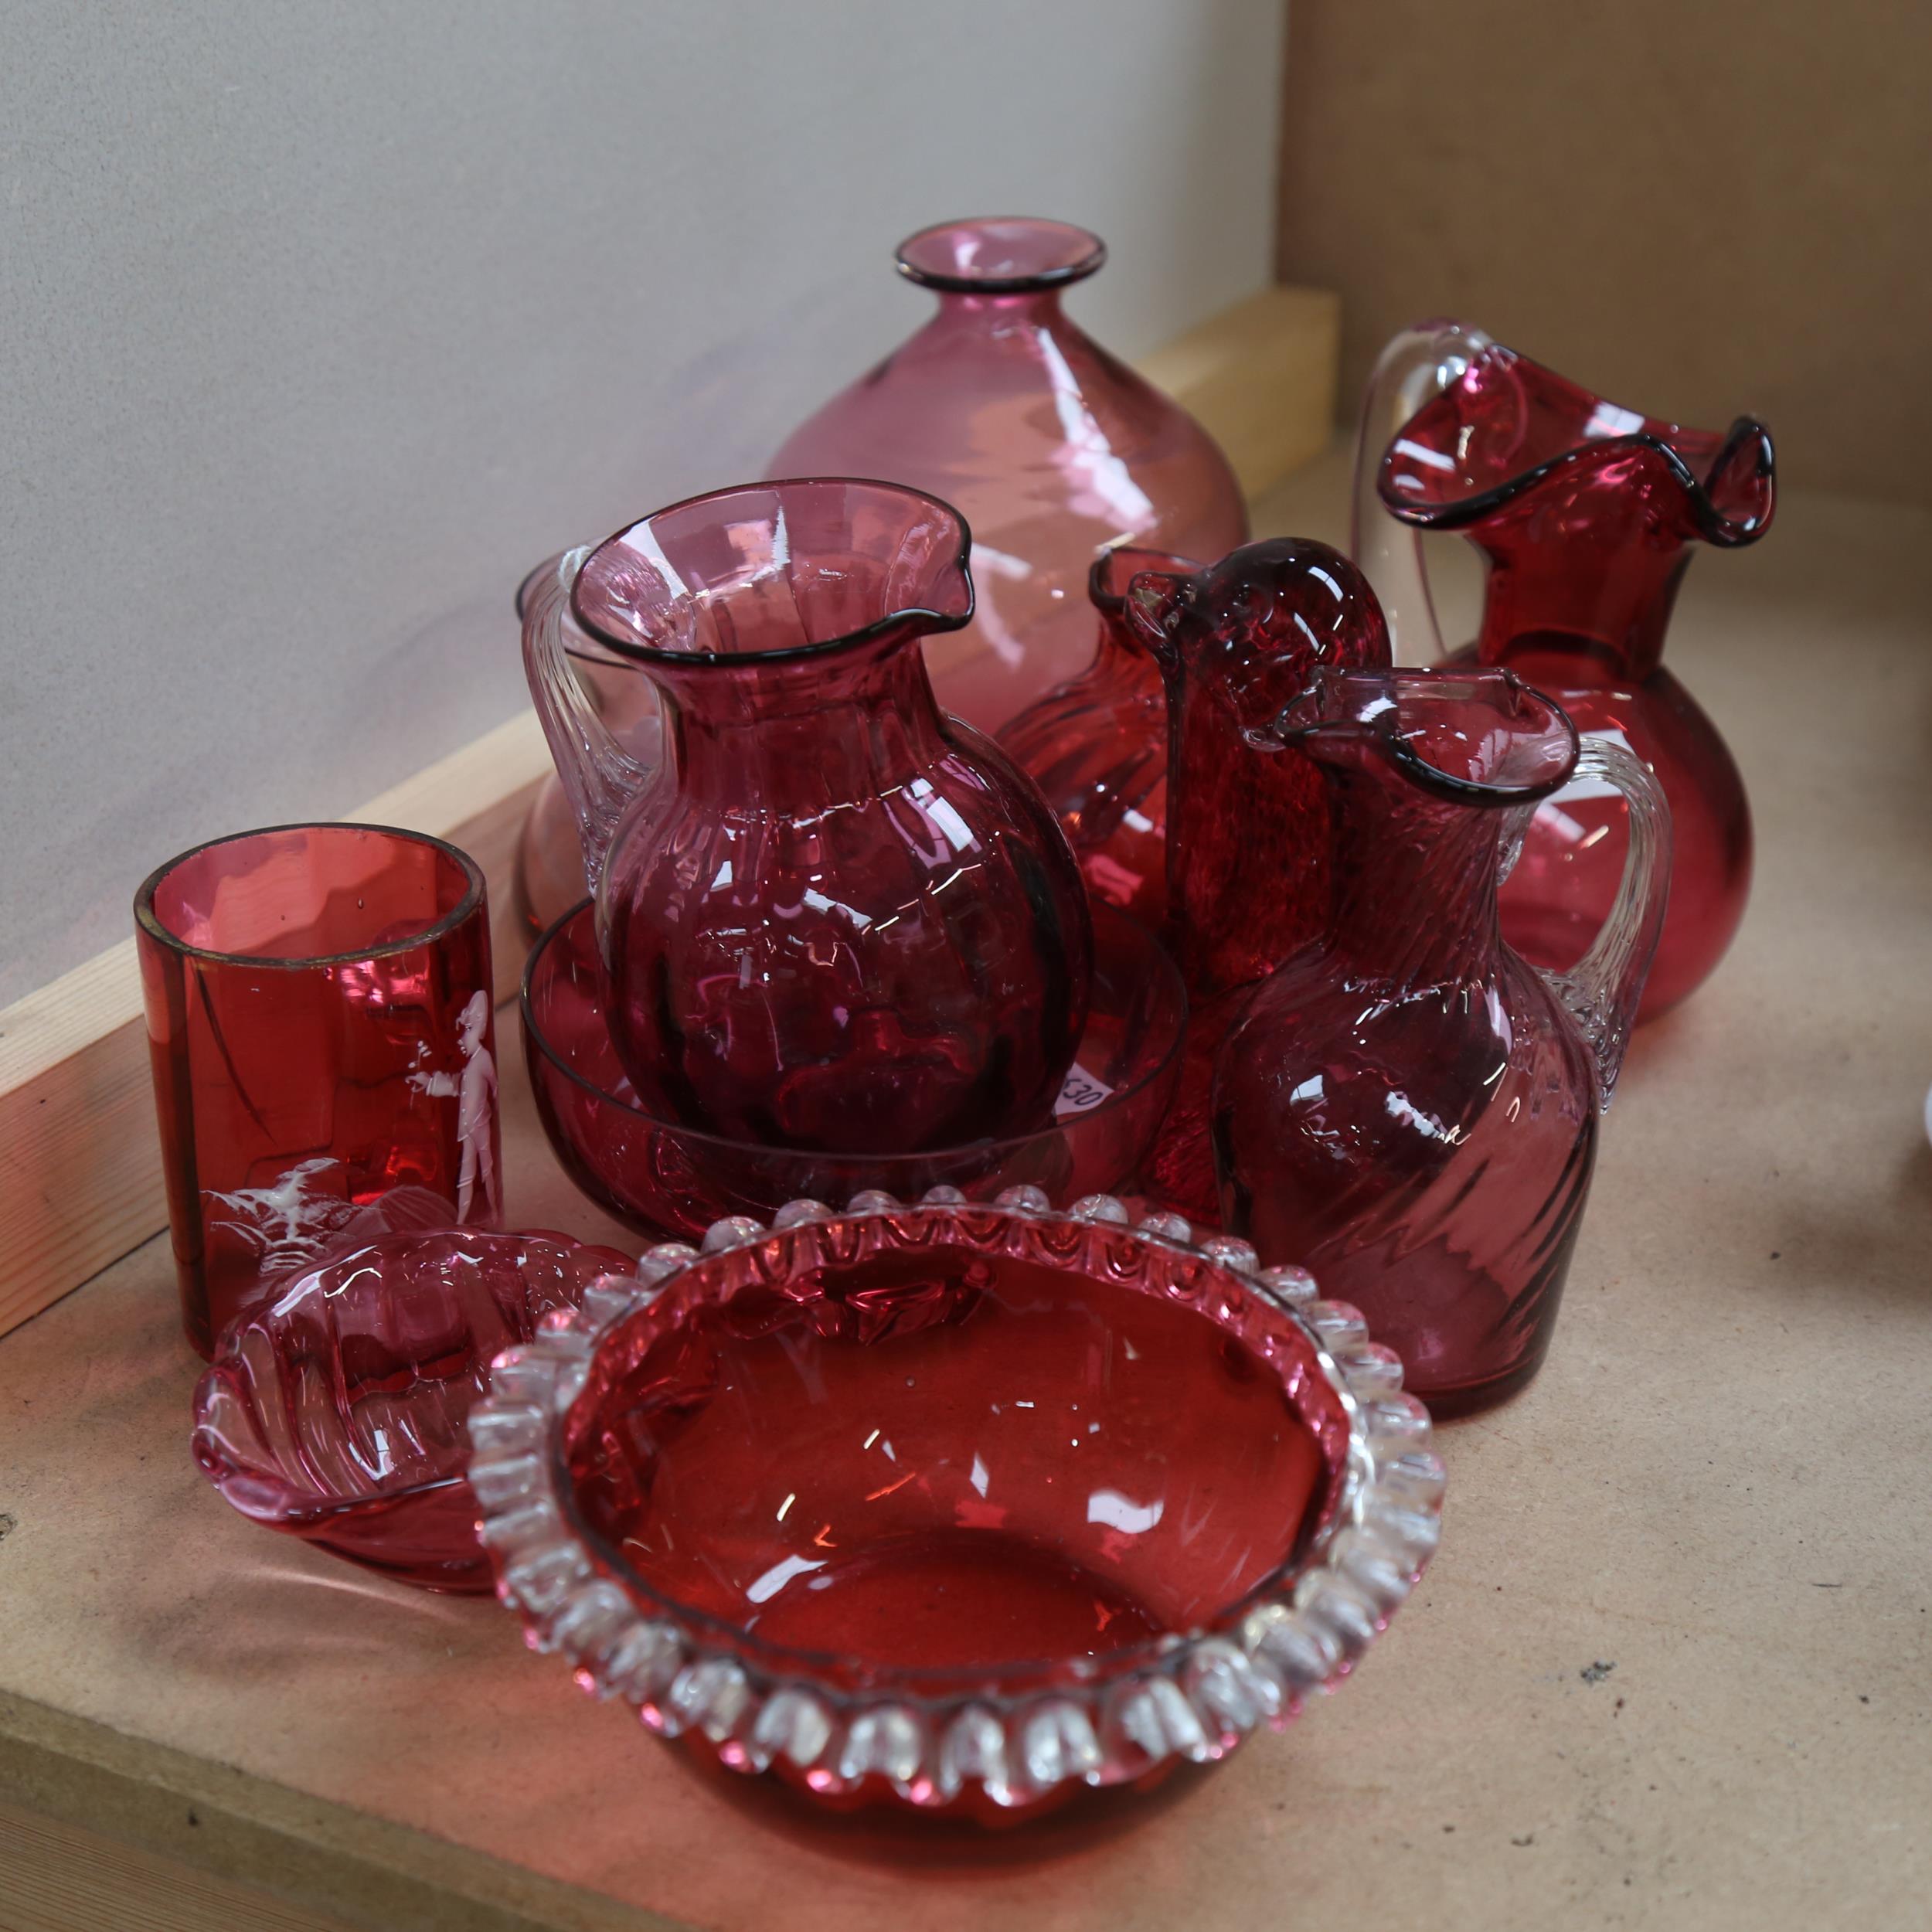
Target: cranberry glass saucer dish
x,y
334,1411
960,1508
667,1180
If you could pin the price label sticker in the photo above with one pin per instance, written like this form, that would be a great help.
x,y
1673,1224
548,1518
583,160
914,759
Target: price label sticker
x,y
1079,1092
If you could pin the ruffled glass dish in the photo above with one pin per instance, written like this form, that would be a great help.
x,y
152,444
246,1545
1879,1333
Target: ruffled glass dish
x,y
963,1509
335,1411
671,1182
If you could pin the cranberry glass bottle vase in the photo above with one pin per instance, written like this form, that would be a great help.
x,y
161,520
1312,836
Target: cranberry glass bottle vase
x,y
1096,745
1406,1105
1051,448
831,918
1585,513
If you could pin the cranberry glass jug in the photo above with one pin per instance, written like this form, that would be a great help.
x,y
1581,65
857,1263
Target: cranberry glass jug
x,y
1585,512
830,918
1248,862
1406,1105
1051,448
1096,745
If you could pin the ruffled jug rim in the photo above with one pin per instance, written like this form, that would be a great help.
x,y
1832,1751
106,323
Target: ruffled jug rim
x,y
1730,504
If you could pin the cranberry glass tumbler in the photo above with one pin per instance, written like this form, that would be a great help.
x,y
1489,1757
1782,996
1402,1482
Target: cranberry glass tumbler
x,y
320,1022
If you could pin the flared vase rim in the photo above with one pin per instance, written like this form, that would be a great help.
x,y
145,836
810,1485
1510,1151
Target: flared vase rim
x,y
1712,525
474,887
914,620
1381,730
1085,254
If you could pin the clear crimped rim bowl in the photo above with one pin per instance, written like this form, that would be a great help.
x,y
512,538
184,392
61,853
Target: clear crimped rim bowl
x,y
958,1507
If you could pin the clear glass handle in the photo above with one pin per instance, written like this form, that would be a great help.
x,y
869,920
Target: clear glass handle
x,y
1417,364
600,777
1602,989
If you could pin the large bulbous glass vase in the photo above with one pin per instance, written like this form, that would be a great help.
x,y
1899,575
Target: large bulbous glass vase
x,y
1051,448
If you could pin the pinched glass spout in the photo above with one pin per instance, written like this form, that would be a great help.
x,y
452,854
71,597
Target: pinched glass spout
x,y
778,568
1476,739
1248,830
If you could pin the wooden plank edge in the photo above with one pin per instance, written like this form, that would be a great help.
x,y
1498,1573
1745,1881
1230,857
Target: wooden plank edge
x,y
1261,378
78,1150
323,1857
62,1877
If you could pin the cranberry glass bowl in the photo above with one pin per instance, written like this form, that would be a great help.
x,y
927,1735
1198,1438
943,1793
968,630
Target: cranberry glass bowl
x,y
668,1180
335,1410
962,1508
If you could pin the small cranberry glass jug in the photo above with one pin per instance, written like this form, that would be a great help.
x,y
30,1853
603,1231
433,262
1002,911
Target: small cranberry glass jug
x,y
1051,448
1585,512
1248,827
1406,1105
1096,745
830,918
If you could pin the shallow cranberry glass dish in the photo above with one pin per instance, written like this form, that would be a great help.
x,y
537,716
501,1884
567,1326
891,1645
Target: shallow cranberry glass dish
x,y
668,1180
335,1411
961,1509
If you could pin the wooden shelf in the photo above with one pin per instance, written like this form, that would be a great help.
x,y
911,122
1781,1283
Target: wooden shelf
x,y
1716,1489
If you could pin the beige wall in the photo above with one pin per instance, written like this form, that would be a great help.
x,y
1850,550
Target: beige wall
x,y
1699,207
321,324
